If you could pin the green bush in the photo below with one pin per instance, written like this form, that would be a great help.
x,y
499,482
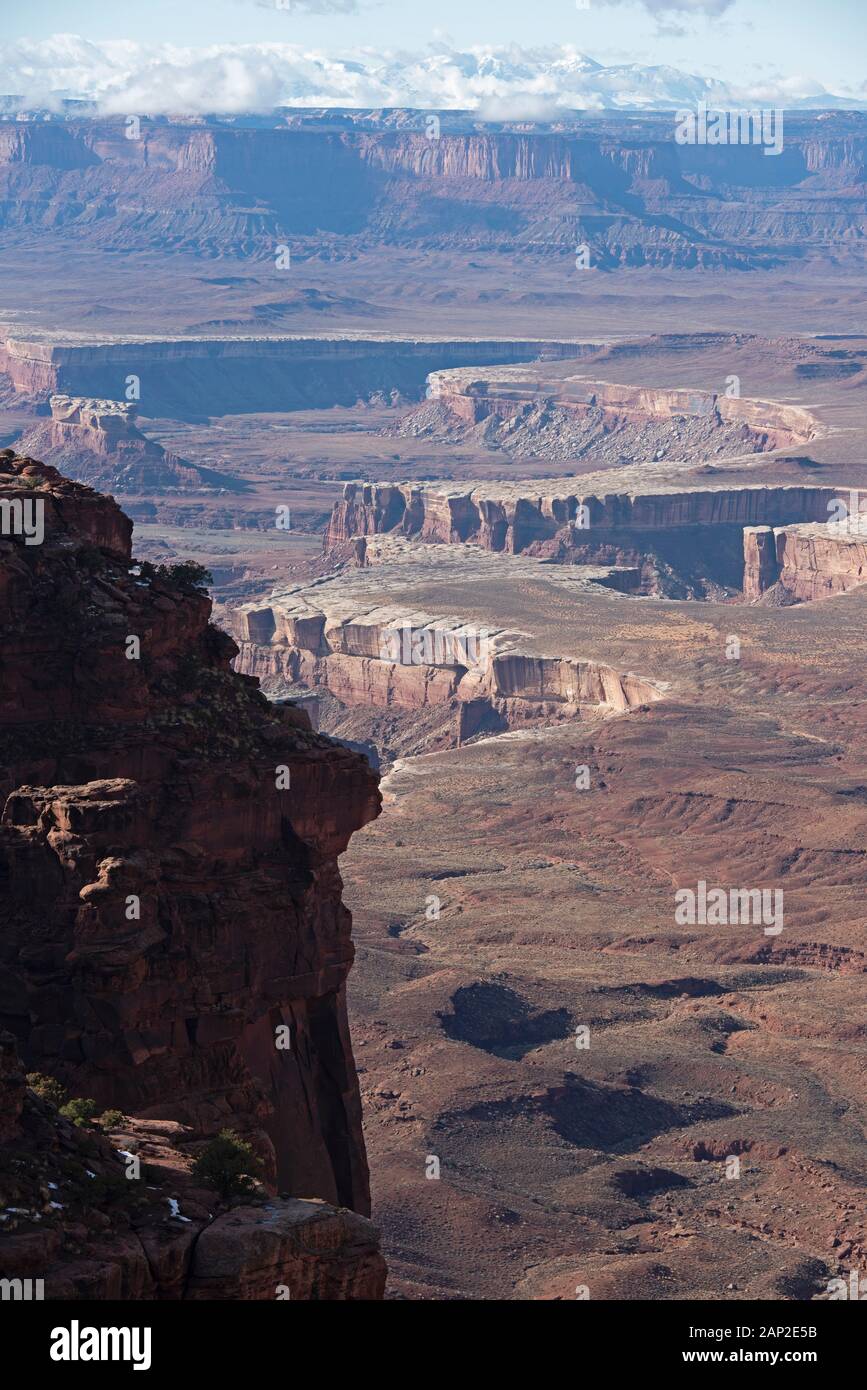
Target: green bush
x,y
227,1164
185,574
81,1111
46,1087
111,1119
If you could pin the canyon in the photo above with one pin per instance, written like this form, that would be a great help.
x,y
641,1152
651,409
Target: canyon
x,y
736,760
343,636
202,376
519,412
677,542
526,585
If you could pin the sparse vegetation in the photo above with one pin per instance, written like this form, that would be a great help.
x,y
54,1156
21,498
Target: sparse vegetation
x,y
185,574
47,1088
227,1164
81,1111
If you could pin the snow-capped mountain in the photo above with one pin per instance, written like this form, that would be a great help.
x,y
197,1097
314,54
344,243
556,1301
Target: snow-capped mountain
x,y
120,76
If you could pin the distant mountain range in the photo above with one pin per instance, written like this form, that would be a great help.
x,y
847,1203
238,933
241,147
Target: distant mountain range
x,y
499,83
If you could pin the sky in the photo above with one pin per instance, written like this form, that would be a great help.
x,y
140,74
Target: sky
x,y
249,50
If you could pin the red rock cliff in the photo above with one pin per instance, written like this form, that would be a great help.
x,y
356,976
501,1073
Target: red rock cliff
x,y
168,854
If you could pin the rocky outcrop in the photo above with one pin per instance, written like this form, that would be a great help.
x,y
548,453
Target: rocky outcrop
x,y
800,564
98,442
173,939
92,1214
473,396
761,569
514,517
289,1249
385,657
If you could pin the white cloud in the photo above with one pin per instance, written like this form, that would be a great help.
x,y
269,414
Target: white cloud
x,y
506,82
518,106
310,6
701,8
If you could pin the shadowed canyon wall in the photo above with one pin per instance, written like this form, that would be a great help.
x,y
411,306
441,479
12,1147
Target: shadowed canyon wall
x,y
196,377
76,1227
168,855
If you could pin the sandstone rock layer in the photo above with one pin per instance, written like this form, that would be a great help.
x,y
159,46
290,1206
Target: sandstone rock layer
x,y
799,564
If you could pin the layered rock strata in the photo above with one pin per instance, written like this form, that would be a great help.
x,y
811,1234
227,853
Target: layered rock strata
x,y
196,376
635,527
473,395
621,181
383,655
171,903
799,564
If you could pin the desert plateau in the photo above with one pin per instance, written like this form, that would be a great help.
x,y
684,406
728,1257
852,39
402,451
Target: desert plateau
x,y
433,625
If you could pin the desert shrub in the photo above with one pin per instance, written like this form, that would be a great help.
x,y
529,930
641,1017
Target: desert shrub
x,y
80,1111
185,574
227,1164
110,1119
46,1087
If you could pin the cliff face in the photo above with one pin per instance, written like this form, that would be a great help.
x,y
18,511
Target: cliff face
x,y
799,564
379,656
644,199
173,940
508,518
193,376
74,1226
472,398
